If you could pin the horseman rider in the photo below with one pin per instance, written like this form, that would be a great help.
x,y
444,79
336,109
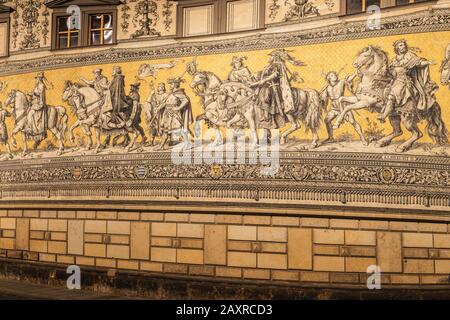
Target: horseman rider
x,y
239,73
113,98
99,83
37,115
411,87
275,94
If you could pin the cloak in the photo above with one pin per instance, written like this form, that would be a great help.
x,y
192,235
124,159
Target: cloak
x,y
118,96
420,76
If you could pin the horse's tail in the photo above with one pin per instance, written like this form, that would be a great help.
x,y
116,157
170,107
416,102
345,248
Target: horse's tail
x,y
315,106
436,127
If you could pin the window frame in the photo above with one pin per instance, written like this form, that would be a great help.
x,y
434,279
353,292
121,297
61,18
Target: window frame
x,y
57,34
344,11
84,31
87,18
5,18
220,16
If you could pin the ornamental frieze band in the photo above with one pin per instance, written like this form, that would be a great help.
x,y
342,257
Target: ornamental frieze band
x,y
430,21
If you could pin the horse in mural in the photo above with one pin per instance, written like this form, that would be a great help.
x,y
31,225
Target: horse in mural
x,y
372,65
87,106
55,121
225,104
229,103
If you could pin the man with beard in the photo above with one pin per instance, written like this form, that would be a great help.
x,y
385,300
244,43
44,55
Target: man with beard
x,y
177,115
411,88
155,110
275,96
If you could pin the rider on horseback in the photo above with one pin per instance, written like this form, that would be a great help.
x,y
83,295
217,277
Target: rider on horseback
x,y
411,82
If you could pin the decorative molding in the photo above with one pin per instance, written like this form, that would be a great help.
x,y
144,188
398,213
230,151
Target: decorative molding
x,y
146,16
125,8
274,8
376,179
167,14
428,21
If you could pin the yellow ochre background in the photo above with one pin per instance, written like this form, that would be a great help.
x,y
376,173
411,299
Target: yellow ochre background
x,y
319,59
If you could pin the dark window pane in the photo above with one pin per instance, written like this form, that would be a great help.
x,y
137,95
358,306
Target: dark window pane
x,y
96,37
372,3
107,21
96,22
62,40
399,2
354,6
74,40
62,24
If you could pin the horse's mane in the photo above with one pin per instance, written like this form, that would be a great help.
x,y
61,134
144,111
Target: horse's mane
x,y
378,50
209,73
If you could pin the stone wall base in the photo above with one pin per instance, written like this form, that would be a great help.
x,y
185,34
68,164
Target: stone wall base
x,y
154,286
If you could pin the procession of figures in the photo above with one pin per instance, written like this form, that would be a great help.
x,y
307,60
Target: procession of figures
x,y
399,90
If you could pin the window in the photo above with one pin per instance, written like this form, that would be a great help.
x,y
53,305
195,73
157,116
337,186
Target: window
x,y
94,25
100,29
198,20
242,15
205,17
4,30
67,36
358,6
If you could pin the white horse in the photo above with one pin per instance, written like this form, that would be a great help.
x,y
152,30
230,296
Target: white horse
x,y
373,70
214,93
56,120
87,105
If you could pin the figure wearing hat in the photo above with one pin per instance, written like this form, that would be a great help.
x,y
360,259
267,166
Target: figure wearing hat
x,y
155,110
177,115
135,98
411,79
239,73
275,96
100,83
37,116
3,130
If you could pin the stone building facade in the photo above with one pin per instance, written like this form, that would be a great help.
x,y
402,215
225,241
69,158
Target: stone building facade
x,y
332,208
